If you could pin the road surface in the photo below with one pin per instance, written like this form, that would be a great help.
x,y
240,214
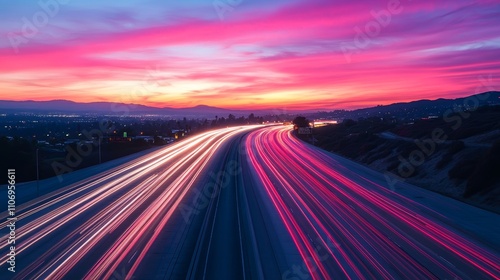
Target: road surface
x,y
247,202
179,212
348,224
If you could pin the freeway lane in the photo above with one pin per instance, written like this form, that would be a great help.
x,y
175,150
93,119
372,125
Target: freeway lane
x,y
347,224
234,241
107,224
225,228
241,203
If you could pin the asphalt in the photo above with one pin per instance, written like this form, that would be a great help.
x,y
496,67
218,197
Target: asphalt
x,y
246,202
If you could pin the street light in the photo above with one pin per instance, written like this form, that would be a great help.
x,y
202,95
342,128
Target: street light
x,y
312,135
100,158
37,174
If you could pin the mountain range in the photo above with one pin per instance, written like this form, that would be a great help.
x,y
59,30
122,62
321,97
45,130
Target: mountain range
x,y
417,108
113,108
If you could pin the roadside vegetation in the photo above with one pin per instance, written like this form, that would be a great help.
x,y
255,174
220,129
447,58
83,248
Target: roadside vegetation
x,y
465,166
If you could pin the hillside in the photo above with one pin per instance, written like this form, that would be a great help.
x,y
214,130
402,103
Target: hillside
x,y
416,109
465,165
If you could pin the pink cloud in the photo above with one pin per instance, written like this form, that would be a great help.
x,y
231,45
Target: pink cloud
x,y
429,49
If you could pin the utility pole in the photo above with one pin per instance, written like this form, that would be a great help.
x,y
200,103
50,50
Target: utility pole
x,y
312,134
100,158
37,174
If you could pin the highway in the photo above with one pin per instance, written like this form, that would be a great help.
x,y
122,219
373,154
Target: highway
x,y
136,221
348,224
247,202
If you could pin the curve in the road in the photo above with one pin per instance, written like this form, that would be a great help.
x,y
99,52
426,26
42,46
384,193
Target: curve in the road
x,y
346,226
289,202
111,220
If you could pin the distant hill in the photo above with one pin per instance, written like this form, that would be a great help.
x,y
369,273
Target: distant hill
x,y
65,106
419,108
407,110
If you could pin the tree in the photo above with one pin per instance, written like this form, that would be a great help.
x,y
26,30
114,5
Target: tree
x,y
349,122
300,121
251,118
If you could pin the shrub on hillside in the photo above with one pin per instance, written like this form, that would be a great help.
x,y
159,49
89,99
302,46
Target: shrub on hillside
x,y
445,159
463,169
455,147
486,174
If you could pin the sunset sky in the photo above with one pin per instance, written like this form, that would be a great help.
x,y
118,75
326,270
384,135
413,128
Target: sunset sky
x,y
246,54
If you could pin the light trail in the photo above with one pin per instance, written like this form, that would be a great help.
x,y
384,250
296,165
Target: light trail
x,y
376,233
342,224
138,198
